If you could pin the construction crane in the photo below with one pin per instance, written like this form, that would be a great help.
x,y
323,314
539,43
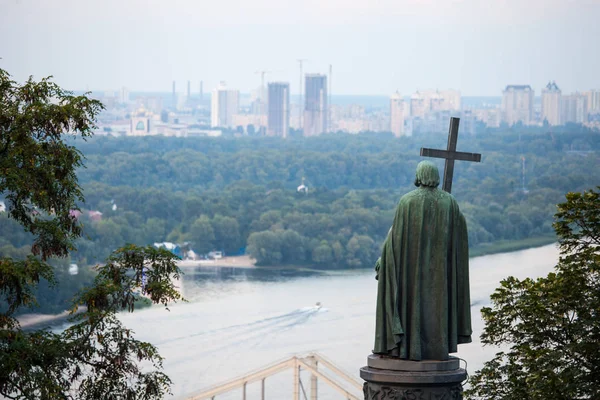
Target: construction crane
x,y
262,76
300,62
262,89
329,100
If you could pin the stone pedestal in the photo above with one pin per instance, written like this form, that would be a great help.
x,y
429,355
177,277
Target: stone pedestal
x,y
395,379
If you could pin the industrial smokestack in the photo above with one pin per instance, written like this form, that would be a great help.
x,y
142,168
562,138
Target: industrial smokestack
x,y
329,100
174,95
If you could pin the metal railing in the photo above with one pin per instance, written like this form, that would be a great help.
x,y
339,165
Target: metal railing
x,y
309,363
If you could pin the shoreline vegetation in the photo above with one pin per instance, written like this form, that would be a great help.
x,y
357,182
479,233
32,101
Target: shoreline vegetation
x,y
320,203
37,320
245,261
508,246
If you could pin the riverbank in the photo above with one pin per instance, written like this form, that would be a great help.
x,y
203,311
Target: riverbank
x,y
229,262
41,321
37,321
507,246
501,246
242,321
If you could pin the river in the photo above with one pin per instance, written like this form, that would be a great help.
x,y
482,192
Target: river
x,y
238,320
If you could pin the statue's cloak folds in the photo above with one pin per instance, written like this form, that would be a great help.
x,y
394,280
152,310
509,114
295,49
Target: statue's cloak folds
x,y
423,305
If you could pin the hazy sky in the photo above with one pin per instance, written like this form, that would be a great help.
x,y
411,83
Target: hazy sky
x,y
375,47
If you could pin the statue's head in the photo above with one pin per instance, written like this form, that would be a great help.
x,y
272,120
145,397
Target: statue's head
x,y
427,174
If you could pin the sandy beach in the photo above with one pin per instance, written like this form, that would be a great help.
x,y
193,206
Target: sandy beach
x,y
236,262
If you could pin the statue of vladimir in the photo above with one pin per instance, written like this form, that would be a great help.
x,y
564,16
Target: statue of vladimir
x,y
423,305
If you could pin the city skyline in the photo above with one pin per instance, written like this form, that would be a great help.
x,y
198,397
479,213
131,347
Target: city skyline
x,y
294,96
375,49
422,112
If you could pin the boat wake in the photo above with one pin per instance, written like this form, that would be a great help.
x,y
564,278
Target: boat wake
x,y
250,334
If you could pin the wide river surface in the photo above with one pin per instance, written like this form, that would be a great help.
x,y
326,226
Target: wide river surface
x,y
239,320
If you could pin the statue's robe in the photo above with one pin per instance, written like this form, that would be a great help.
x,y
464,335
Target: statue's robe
x,y
423,305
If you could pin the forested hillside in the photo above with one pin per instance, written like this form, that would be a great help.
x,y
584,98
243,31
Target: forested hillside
x,y
234,193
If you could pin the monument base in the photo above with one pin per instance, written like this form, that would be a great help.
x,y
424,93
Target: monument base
x,y
390,378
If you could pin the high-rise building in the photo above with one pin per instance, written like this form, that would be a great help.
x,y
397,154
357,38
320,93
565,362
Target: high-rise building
x,y
224,105
593,108
423,101
451,99
436,102
517,104
174,96
551,104
397,114
278,109
417,105
573,108
124,95
315,104
593,101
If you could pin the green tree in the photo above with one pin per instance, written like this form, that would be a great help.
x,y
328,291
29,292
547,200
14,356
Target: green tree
x,y
193,207
154,230
96,358
265,247
361,251
550,325
292,246
267,220
202,235
323,254
227,233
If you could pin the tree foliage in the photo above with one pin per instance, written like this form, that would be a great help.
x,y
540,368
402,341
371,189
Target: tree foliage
x,y
96,357
550,326
191,190
354,183
37,166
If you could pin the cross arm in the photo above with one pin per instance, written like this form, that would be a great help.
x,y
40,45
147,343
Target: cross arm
x,y
450,155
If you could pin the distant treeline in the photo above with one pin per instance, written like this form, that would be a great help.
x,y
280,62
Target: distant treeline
x,y
365,161
234,193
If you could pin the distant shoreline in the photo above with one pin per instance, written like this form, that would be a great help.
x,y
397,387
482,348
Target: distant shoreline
x,y
40,321
227,262
500,246
37,321
508,246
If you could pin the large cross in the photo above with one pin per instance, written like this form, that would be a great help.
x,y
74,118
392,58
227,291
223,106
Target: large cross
x,y
450,154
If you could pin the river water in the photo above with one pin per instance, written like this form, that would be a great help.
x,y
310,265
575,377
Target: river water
x,y
238,320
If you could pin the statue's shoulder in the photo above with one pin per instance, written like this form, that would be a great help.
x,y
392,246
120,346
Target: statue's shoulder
x,y
408,197
449,200
445,195
431,194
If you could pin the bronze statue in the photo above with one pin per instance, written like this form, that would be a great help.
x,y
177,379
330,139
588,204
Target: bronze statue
x,y
423,305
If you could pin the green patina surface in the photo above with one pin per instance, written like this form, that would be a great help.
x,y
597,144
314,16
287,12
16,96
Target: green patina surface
x,y
423,304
